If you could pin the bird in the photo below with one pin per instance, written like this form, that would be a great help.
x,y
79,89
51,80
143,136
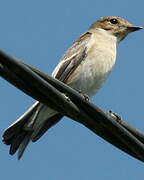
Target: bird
x,y
85,66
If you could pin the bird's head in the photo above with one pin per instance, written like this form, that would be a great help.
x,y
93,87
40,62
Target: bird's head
x,y
116,26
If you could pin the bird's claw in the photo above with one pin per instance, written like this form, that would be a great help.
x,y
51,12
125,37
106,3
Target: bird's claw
x,y
116,116
86,97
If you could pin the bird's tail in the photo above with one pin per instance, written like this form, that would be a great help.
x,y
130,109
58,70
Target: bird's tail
x,y
29,127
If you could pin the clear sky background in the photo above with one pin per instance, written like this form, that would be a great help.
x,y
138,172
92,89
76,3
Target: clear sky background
x,y
39,32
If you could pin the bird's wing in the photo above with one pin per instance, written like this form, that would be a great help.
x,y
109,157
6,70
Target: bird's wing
x,y
72,58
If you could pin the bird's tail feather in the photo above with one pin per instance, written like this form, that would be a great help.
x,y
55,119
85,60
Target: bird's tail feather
x,y
48,124
16,126
24,144
20,133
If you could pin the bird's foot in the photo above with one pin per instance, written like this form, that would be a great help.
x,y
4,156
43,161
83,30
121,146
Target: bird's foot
x,y
116,116
86,97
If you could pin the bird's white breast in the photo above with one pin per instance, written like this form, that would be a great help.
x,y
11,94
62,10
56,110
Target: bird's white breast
x,y
100,59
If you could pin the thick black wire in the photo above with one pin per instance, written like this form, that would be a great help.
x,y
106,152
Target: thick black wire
x,y
43,88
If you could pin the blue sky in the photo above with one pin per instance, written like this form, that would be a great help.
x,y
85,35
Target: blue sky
x,y
39,32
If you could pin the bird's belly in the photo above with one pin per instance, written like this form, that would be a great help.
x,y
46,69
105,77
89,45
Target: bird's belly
x,y
89,76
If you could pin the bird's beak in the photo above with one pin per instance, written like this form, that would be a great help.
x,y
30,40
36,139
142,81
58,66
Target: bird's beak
x,y
134,28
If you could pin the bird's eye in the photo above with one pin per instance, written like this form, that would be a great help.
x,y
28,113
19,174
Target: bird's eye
x,y
113,21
